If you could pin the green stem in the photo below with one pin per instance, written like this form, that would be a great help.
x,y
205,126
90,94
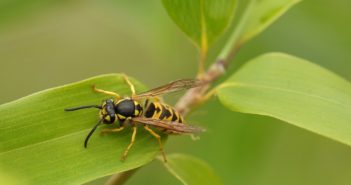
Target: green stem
x,y
204,43
235,42
193,97
202,60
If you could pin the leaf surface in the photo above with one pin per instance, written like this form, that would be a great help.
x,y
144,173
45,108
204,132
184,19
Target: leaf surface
x,y
40,143
203,21
258,15
191,170
293,90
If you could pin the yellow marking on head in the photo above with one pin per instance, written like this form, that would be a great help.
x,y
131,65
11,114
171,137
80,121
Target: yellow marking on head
x,y
108,118
103,111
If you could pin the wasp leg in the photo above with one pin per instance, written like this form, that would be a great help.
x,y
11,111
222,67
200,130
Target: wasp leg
x,y
108,130
158,137
130,144
117,96
130,84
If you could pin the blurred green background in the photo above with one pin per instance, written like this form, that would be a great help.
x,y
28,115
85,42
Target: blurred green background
x,y
49,43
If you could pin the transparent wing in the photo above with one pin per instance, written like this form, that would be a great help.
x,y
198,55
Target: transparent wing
x,y
169,125
170,87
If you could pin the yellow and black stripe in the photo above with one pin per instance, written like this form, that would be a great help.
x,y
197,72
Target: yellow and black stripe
x,y
161,111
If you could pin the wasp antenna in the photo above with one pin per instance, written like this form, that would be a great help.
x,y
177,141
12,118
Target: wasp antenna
x,y
91,133
83,107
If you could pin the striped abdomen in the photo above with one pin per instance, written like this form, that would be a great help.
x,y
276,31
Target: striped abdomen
x,y
161,111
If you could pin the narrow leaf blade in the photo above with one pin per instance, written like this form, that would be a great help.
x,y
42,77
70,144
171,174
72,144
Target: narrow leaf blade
x,y
190,170
40,143
293,90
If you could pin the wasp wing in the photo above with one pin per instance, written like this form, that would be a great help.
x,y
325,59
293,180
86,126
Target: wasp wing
x,y
170,87
169,125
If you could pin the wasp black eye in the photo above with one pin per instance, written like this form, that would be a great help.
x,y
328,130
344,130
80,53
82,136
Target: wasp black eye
x,y
110,109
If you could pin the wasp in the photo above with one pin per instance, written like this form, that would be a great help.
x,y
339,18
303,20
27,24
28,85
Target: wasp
x,y
146,109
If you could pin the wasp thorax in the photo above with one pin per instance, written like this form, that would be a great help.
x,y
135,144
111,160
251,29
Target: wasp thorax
x,y
107,112
127,108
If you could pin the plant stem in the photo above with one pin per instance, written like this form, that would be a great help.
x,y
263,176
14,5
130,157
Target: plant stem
x,y
202,60
121,178
195,96
235,40
204,42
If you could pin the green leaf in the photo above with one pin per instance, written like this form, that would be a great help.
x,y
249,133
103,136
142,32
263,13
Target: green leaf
x,y
201,20
190,170
264,13
293,90
40,143
257,17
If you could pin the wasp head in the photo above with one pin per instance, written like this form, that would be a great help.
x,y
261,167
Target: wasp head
x,y
107,112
